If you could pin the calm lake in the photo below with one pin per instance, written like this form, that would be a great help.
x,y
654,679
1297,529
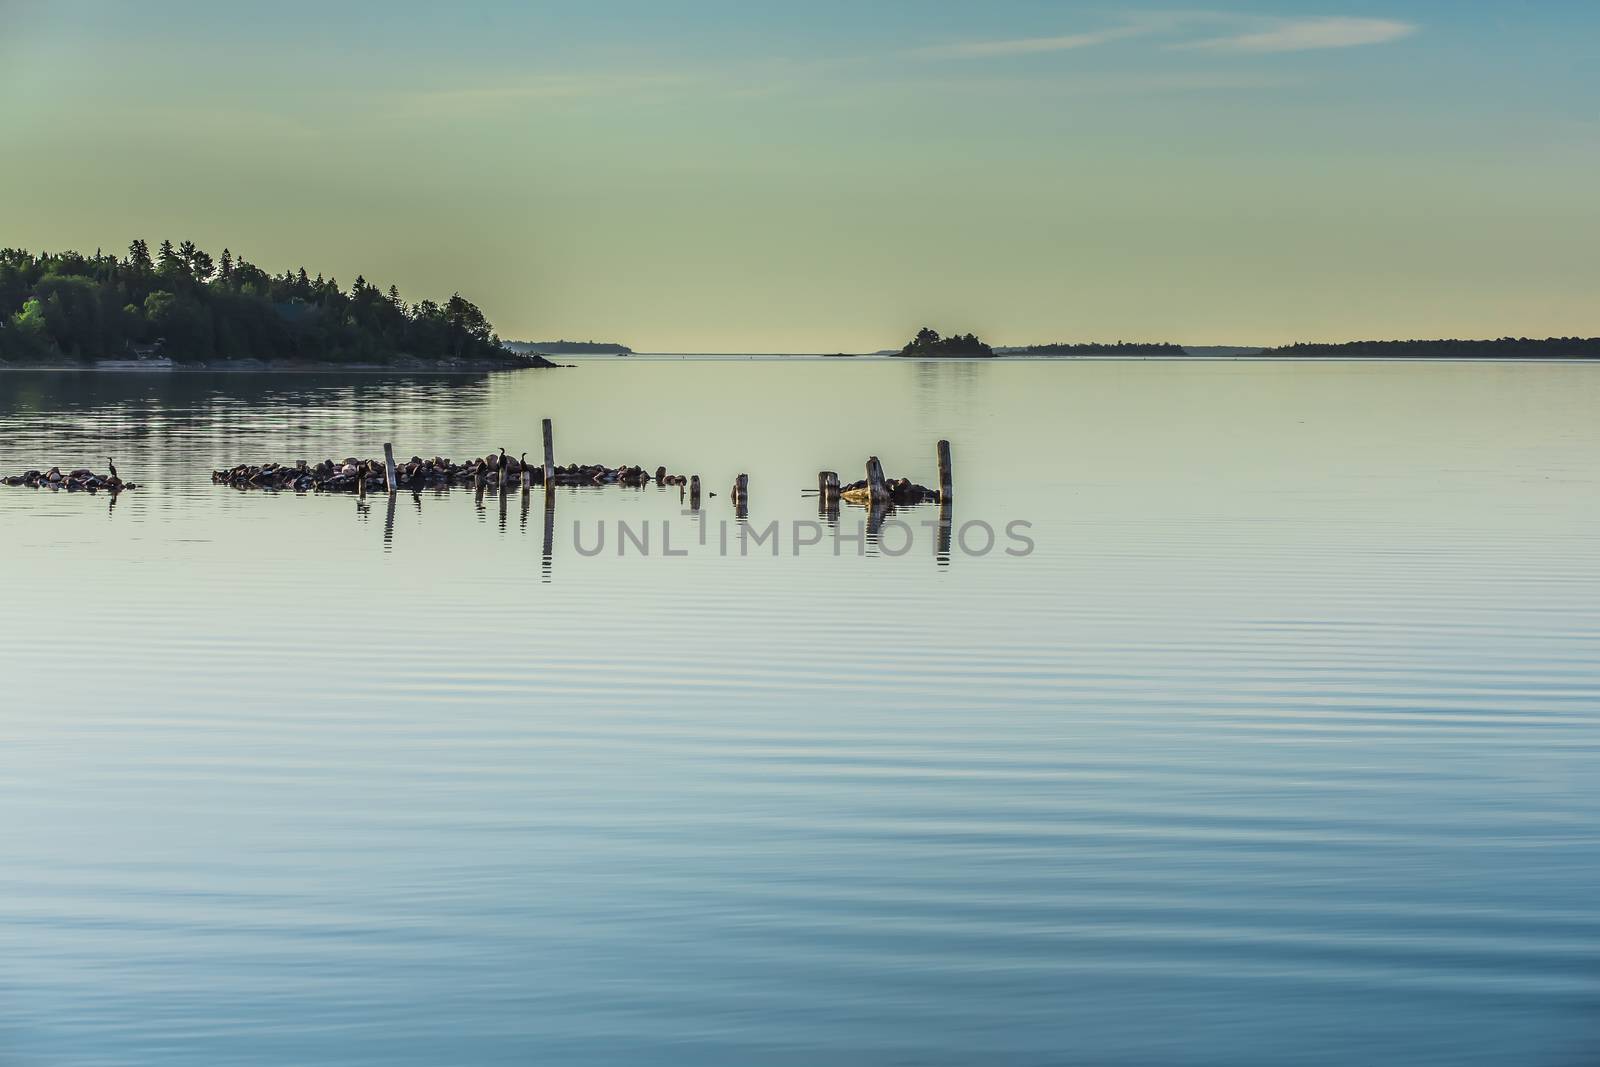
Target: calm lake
x,y
1281,745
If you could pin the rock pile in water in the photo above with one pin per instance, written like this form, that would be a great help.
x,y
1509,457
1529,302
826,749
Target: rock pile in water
x,y
903,492
353,475
80,480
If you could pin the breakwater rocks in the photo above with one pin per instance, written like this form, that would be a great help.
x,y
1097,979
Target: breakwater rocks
x,y
81,479
352,475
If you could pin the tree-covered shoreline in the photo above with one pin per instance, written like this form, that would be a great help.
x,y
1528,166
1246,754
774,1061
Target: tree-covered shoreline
x,y
1499,348
1096,348
570,348
180,303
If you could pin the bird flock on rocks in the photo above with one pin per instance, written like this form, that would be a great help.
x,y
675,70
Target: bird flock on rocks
x,y
80,479
353,475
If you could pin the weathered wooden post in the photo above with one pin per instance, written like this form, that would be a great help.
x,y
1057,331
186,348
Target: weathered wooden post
x,y
741,488
694,492
828,496
876,489
944,470
389,476
549,454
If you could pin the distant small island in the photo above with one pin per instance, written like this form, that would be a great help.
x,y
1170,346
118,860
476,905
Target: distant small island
x,y
1093,348
929,343
1500,348
179,306
570,348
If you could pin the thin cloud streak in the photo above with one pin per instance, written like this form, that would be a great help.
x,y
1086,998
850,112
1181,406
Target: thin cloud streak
x,y
545,89
1254,35
1026,46
1307,34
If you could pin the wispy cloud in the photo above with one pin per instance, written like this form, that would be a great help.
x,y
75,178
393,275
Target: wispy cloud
x,y
1024,46
548,88
1249,34
1305,34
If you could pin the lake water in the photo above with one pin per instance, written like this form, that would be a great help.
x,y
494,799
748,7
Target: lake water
x,y
1282,745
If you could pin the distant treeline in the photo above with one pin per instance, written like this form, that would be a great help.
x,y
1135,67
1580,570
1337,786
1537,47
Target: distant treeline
x,y
1093,348
1503,348
570,348
182,304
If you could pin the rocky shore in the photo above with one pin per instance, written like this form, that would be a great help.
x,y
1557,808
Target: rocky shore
x,y
513,361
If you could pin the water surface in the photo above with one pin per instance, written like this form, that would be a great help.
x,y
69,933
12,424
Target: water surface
x,y
1281,746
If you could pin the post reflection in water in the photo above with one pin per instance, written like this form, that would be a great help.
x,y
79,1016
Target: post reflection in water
x,y
549,529
941,542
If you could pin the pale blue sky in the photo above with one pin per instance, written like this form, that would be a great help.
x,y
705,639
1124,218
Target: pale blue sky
x,y
721,175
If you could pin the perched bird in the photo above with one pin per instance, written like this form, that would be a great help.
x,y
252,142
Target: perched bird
x,y
112,464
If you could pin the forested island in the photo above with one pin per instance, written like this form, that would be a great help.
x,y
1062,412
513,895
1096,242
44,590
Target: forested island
x,y
182,305
1093,348
1501,348
570,348
929,343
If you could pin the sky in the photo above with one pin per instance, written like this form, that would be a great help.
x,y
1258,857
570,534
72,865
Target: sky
x,y
719,176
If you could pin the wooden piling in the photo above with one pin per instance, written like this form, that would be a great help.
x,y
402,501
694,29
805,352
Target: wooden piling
x,y
741,488
827,493
877,489
694,492
549,454
391,479
944,470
